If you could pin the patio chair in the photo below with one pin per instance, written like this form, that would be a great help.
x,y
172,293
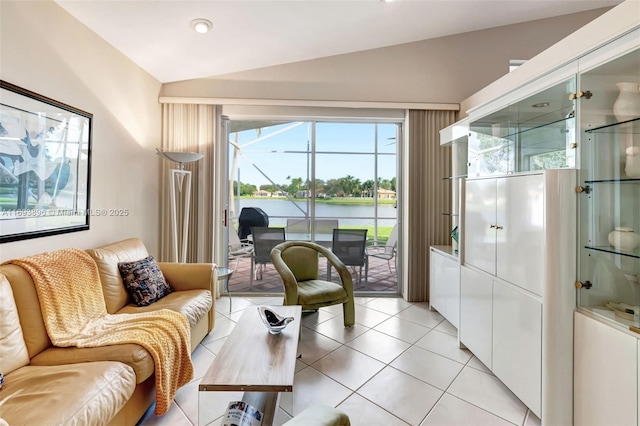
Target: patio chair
x,y
349,246
264,239
297,264
298,225
387,251
325,227
238,249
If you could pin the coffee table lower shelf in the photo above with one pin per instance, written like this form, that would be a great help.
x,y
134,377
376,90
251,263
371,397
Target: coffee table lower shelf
x,y
255,362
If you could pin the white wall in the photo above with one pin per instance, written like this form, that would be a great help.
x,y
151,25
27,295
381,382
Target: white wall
x,y
47,51
616,22
442,70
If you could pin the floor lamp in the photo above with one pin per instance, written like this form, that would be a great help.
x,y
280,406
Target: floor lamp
x,y
180,179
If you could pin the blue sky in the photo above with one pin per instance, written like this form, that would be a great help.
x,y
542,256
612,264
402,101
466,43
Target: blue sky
x,y
274,157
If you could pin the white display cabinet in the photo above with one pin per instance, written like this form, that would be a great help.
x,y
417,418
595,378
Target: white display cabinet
x,y
476,313
444,279
444,291
517,300
455,137
608,322
609,271
606,373
534,133
552,202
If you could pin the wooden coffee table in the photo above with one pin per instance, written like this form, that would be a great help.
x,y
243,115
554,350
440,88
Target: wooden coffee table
x,y
256,362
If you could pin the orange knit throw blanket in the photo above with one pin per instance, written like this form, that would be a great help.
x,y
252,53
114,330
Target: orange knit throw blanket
x,y
73,307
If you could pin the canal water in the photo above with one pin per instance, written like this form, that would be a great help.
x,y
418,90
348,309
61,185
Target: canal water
x,y
279,210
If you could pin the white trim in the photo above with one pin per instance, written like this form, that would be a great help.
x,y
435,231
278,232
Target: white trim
x,y
457,130
307,103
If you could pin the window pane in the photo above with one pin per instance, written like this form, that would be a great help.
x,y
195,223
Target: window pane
x,y
345,137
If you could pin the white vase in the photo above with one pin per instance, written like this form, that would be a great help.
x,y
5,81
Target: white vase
x,y
623,238
632,164
627,105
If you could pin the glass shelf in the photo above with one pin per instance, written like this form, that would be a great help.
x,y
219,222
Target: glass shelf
x,y
454,177
610,249
623,180
556,124
629,127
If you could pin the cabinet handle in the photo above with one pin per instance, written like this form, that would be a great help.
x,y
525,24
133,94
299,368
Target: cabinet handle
x,y
586,94
586,189
586,285
499,227
492,226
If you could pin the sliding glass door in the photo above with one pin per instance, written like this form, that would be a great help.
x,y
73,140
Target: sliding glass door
x,y
310,177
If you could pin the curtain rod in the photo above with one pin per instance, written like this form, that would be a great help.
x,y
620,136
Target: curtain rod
x,y
307,103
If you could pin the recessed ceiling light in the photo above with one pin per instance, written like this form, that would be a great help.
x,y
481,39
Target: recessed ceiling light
x,y
201,25
386,1
541,105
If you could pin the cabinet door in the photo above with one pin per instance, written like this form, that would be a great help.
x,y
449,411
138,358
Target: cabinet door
x,y
437,282
517,343
476,313
520,231
479,222
452,273
605,374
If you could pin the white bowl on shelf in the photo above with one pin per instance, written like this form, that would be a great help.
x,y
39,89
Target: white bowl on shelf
x,y
624,238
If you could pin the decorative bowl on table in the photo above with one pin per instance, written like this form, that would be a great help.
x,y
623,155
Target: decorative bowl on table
x,y
274,322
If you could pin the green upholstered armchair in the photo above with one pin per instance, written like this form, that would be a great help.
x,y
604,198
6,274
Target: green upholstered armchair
x,y
297,264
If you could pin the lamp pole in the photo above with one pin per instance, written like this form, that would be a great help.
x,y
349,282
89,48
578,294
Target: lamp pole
x,y
180,180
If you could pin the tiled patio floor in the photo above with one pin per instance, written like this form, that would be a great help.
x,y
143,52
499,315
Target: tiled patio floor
x,y
380,279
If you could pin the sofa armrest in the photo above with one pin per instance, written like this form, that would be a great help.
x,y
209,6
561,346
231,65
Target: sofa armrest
x,y
190,276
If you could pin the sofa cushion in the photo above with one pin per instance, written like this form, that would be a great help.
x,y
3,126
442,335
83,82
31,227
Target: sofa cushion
x,y
88,393
107,258
131,354
13,350
194,304
144,281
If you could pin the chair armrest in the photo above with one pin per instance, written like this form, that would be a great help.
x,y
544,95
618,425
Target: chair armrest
x,y
343,271
190,276
374,249
288,279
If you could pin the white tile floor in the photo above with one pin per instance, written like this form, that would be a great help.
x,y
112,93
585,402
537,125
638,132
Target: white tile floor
x,y
400,364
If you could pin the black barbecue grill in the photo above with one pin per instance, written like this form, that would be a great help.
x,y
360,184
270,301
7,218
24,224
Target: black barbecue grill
x,y
251,216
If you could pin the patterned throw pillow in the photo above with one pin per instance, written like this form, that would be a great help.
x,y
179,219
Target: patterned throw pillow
x,y
144,281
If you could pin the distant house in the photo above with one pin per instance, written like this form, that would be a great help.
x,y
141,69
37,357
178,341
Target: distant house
x,y
386,194
262,193
279,194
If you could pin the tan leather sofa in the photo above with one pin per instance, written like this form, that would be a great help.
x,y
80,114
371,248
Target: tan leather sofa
x,y
47,385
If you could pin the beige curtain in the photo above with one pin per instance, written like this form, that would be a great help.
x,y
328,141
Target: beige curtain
x,y
191,128
428,195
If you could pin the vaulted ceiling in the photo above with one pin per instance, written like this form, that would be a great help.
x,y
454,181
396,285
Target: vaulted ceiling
x,y
250,34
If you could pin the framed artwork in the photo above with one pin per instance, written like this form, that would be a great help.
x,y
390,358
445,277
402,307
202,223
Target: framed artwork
x,y
45,165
